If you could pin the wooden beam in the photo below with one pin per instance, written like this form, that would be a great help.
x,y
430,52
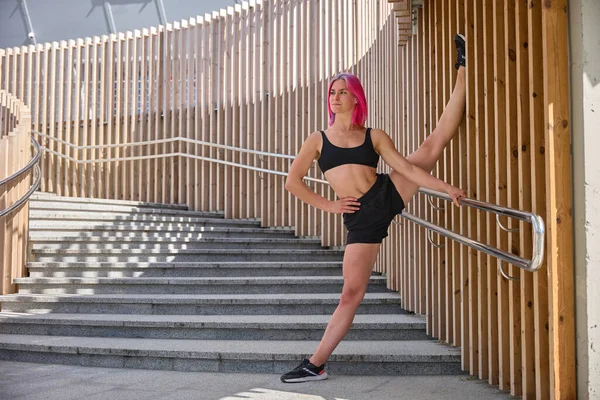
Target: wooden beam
x,y
559,219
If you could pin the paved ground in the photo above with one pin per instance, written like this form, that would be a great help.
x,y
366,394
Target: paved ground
x,y
20,381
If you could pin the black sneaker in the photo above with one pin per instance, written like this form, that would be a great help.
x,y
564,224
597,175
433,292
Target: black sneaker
x,y
461,50
304,372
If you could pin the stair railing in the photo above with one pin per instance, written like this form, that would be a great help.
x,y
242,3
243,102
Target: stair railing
x,y
32,164
535,220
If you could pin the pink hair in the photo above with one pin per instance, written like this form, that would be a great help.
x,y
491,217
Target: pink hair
x,y
359,115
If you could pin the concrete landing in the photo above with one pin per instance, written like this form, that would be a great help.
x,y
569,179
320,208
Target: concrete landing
x,y
24,381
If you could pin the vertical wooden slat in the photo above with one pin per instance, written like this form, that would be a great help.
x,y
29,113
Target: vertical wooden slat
x,y
78,168
559,216
118,165
143,116
229,113
170,182
4,172
512,192
422,131
430,118
444,174
110,62
538,200
271,87
10,243
480,184
205,85
191,112
166,83
500,183
128,76
525,193
455,155
198,66
51,172
490,192
217,134
152,107
44,75
92,121
180,107
69,166
470,354
255,102
60,167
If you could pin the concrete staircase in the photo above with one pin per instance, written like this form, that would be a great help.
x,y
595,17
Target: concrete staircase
x,y
138,285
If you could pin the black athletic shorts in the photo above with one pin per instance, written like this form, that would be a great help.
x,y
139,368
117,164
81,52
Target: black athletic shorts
x,y
378,207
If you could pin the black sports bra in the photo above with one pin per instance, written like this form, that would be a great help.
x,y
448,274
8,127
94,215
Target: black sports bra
x,y
333,156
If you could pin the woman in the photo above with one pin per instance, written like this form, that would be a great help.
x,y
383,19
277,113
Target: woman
x,y
348,154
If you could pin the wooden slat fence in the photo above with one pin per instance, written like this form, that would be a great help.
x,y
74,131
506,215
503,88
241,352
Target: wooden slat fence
x,y
255,76
515,334
15,153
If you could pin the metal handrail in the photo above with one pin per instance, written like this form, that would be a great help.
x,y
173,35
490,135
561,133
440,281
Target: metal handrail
x,y
536,221
25,169
165,141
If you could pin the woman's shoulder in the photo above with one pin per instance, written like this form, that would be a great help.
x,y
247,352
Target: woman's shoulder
x,y
377,133
315,136
314,140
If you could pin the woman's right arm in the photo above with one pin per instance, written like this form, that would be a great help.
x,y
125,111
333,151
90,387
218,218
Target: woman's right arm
x,y
298,170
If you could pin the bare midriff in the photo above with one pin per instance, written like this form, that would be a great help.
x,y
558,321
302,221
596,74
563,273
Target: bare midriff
x,y
351,180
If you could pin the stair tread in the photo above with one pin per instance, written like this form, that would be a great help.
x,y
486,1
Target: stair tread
x,y
119,209
274,298
358,350
57,239
89,215
191,264
187,251
367,321
51,197
193,280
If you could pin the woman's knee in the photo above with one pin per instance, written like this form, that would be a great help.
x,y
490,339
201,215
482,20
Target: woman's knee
x,y
352,295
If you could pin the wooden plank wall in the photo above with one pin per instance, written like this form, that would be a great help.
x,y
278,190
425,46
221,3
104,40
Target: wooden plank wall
x,y
255,76
516,88
15,153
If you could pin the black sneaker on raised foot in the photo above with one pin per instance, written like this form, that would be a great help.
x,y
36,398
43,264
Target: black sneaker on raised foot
x,y
461,50
304,372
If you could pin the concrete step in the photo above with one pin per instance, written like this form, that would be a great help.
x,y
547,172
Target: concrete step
x,y
58,226
229,285
37,233
86,244
190,269
43,197
90,218
154,255
213,327
351,357
74,208
230,304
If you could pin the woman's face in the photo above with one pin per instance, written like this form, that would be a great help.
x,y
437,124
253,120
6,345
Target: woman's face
x,y
340,98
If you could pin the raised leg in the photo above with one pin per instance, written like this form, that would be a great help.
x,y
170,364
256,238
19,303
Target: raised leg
x,y
359,259
430,151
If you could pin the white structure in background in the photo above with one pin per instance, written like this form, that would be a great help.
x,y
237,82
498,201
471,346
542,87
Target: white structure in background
x,y
24,22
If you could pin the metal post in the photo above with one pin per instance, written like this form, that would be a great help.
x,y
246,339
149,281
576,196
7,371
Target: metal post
x,y
30,33
109,17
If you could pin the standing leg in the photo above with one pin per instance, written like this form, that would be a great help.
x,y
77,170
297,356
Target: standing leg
x,y
359,259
